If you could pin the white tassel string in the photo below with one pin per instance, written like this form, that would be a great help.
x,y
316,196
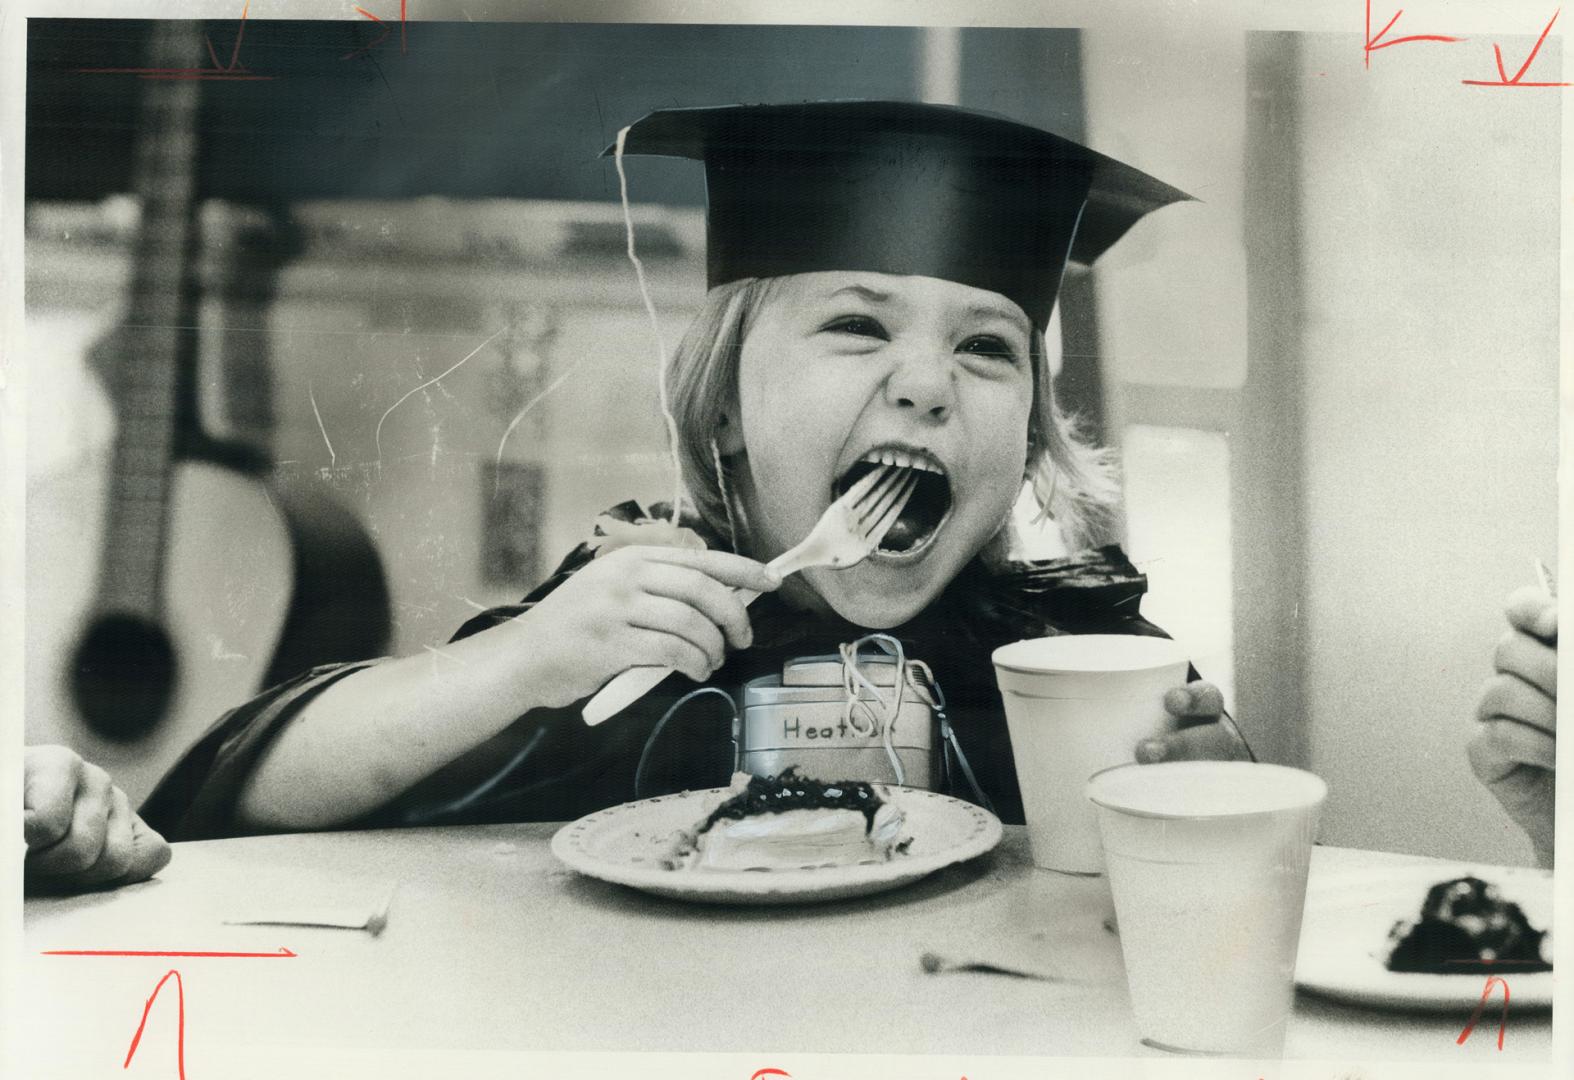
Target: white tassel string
x,y
655,328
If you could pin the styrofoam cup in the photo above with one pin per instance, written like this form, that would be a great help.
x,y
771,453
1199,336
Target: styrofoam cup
x,y
1074,705
1207,861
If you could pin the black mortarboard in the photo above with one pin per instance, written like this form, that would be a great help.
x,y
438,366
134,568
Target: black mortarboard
x,y
900,188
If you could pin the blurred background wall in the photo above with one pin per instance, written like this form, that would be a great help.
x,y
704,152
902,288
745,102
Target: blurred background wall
x,y
1429,360
1332,378
1360,326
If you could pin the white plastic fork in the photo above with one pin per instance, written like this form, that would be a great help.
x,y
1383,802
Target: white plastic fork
x,y
846,534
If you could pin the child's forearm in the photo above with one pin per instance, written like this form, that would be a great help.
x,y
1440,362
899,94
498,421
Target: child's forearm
x,y
371,736
374,734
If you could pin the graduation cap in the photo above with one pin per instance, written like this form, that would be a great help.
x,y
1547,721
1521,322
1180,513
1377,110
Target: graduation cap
x,y
900,188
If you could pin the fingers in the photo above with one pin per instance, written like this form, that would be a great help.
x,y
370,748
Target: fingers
x,y
640,606
79,827
1196,701
1201,742
1196,708
83,842
734,571
1530,609
718,604
1508,697
1528,658
114,858
51,775
150,852
679,620
1501,746
659,648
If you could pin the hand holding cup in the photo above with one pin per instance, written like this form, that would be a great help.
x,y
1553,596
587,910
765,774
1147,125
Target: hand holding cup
x,y
1202,730
1076,704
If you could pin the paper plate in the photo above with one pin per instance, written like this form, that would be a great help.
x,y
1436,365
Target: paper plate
x,y
1349,915
625,845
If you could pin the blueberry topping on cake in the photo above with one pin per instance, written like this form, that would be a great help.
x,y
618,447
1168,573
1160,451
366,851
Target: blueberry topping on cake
x,y
792,822
790,791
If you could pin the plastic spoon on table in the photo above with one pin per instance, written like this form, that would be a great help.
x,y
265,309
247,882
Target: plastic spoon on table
x,y
846,534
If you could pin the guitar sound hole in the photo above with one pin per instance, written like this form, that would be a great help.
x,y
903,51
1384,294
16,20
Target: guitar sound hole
x,y
123,677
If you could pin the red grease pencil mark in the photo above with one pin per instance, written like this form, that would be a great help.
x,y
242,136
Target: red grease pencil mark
x,y
239,36
180,1041
768,1072
1375,43
233,72
281,954
379,40
1481,1005
404,41
202,74
1518,79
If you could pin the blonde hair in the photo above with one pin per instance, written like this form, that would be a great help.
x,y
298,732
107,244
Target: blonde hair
x,y
1073,481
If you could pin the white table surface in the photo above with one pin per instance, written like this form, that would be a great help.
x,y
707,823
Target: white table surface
x,y
491,944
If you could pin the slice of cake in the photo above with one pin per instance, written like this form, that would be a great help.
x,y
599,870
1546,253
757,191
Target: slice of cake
x,y
1466,927
790,821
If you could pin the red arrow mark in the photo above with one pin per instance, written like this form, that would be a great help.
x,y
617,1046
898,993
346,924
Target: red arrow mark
x,y
1517,80
1492,980
279,955
235,71
404,41
235,55
180,1033
1375,43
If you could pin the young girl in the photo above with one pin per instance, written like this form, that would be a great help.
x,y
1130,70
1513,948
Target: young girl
x,y
881,275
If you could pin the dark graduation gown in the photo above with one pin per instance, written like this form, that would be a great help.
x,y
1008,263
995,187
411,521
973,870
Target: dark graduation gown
x,y
549,766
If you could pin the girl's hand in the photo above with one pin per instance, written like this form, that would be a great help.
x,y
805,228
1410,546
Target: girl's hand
x,y
639,607
79,829
1201,732
1515,749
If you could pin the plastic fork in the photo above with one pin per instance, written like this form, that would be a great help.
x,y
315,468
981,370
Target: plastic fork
x,y
846,534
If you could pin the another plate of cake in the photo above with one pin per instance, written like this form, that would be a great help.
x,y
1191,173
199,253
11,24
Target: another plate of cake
x,y
775,840
1429,936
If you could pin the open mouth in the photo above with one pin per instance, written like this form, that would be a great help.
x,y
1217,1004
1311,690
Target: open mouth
x,y
926,511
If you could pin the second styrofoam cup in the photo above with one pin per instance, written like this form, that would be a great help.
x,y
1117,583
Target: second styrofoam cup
x,y
1208,862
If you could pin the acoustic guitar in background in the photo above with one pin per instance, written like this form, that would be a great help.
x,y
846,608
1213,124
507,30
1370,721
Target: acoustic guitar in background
x,y
211,581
